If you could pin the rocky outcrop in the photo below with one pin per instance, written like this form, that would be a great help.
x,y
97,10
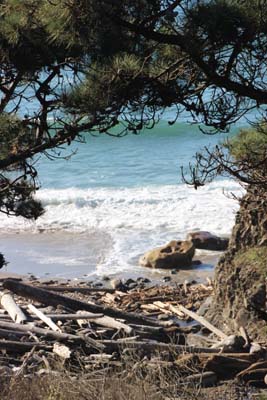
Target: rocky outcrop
x,y
175,254
207,241
2,260
240,276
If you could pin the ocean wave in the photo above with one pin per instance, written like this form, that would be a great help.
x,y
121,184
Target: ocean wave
x,y
175,208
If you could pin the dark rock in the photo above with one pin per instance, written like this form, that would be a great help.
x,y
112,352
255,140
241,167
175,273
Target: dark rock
x,y
105,278
129,281
207,241
117,284
2,260
166,279
132,285
143,280
174,271
233,343
98,284
196,262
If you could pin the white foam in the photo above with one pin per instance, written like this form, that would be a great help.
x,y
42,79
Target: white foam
x,y
135,218
174,208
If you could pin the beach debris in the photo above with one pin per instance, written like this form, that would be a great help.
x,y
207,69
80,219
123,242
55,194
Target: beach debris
x,y
97,328
9,304
62,350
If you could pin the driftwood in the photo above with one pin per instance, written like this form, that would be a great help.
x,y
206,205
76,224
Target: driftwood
x,y
11,334
77,289
49,334
255,366
202,321
73,317
21,347
205,379
225,366
48,321
48,298
14,311
112,323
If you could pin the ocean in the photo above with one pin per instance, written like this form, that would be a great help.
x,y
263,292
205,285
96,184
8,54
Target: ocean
x,y
114,199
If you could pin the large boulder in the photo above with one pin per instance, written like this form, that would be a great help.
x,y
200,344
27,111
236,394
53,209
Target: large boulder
x,y
207,241
175,254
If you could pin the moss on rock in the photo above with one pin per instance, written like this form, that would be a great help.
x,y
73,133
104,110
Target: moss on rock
x,y
240,276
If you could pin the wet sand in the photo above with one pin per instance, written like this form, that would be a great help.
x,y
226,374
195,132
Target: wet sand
x,y
70,256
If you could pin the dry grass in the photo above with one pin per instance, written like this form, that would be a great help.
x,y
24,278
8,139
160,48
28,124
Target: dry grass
x,y
134,380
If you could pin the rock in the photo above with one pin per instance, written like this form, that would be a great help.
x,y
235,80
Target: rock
x,y
232,343
117,284
129,281
256,348
143,280
175,254
132,285
166,279
196,262
98,284
207,241
2,260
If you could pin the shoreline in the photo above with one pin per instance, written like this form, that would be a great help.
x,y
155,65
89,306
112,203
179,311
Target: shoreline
x,y
73,257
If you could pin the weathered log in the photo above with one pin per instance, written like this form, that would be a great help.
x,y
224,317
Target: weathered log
x,y
112,323
224,366
11,334
252,367
14,311
48,298
73,317
77,289
49,334
205,379
251,358
48,321
21,347
201,320
253,375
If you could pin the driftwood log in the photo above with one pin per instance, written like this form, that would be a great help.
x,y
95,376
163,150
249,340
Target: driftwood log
x,y
14,311
49,334
52,299
48,321
77,289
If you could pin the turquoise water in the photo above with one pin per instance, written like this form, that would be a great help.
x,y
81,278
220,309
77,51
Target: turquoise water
x,y
154,157
114,199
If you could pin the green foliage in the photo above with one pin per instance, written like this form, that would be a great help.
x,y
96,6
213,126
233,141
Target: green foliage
x,y
89,64
15,135
255,256
216,21
249,145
